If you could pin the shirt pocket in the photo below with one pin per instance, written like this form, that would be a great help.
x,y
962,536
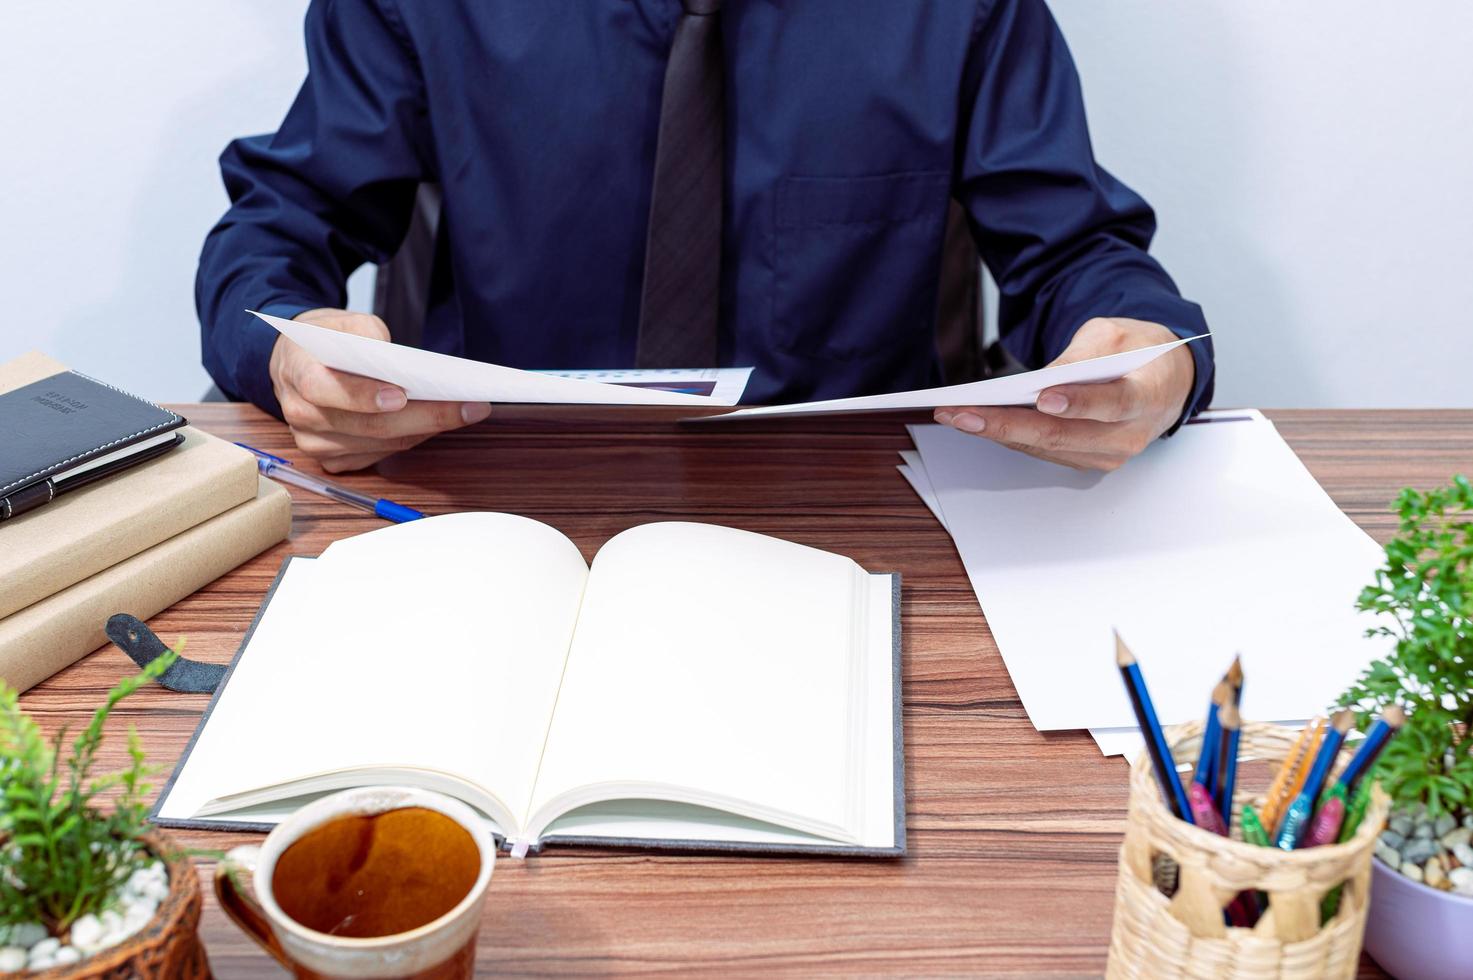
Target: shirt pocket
x,y
855,262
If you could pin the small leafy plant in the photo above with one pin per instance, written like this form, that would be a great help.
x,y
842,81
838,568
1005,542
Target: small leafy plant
x,y
62,855
1425,595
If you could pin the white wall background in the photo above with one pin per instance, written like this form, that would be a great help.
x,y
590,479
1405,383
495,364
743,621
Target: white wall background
x,y
112,116
1310,163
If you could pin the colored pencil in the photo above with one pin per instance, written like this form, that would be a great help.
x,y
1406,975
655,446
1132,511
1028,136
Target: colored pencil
x,y
1253,832
1324,828
1365,757
1145,714
1211,736
1306,765
1227,767
1354,814
1234,677
1295,821
1243,909
1290,774
1204,811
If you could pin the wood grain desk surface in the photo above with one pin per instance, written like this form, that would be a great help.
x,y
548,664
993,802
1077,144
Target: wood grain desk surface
x,y
1012,833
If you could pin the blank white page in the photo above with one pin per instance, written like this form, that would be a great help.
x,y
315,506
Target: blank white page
x,y
1210,543
658,821
434,645
716,667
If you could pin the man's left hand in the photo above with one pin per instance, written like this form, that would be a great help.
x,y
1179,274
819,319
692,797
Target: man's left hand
x,y
1093,426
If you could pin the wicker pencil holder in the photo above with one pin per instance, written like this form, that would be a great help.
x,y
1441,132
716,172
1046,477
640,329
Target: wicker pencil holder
x,y
1185,935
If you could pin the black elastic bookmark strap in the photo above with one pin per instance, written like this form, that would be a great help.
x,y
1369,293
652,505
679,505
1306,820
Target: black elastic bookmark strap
x,y
143,647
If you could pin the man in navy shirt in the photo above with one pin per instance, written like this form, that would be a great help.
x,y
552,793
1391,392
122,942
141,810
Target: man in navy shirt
x,y
849,126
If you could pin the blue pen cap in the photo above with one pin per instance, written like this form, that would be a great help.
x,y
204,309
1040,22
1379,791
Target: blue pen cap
x,y
397,513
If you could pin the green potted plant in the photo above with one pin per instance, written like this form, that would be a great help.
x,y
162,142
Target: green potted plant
x,y
86,888
1421,916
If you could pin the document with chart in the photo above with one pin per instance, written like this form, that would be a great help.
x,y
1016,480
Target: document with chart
x,y
431,376
440,377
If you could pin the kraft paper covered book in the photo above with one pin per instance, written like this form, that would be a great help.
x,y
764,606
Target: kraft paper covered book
x,y
696,687
54,633
90,529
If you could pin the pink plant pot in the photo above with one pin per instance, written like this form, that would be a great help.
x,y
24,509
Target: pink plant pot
x,y
1416,932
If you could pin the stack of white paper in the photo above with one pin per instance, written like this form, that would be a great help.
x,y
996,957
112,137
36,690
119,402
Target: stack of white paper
x,y
1213,543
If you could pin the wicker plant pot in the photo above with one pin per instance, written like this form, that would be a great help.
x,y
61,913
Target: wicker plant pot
x,y
1185,935
168,948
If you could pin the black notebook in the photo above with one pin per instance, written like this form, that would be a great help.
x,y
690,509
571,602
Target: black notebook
x,y
695,687
68,430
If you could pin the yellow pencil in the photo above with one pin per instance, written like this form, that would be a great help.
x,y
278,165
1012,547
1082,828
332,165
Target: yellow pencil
x,y
1301,772
1292,774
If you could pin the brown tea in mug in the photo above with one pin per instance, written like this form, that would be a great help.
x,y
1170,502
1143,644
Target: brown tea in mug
x,y
376,875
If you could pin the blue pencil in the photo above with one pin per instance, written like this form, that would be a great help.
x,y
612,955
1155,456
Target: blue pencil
x,y
1296,818
1227,769
1376,739
1211,737
1145,713
1227,773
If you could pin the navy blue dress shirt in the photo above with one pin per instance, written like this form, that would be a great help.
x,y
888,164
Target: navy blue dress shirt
x,y
850,124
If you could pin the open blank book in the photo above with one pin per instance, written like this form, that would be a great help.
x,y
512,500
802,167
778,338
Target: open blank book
x,y
695,687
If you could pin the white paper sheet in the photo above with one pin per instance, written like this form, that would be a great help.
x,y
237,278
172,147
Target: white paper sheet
x,y
439,377
1129,742
914,472
1213,542
1118,741
1110,741
913,468
1015,389
432,376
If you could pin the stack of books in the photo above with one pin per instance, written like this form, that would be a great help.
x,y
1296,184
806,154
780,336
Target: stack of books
x,y
135,542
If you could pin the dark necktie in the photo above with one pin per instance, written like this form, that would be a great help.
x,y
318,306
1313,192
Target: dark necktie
x,y
682,264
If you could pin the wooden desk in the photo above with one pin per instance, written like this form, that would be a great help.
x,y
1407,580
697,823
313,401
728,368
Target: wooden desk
x,y
1013,834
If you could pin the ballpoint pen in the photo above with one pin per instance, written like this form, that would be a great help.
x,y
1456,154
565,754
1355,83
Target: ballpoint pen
x,y
282,469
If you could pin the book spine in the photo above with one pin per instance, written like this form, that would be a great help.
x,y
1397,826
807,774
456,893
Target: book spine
x,y
25,500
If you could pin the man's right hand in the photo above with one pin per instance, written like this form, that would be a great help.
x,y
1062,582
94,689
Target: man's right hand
x,y
347,422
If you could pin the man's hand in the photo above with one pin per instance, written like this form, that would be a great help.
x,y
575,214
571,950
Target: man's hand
x,y
1095,426
347,422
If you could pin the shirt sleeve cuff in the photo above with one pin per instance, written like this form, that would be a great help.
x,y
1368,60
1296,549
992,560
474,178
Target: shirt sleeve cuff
x,y
258,339
1185,319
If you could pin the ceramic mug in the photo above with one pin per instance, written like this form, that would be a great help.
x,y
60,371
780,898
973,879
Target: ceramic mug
x,y
375,861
